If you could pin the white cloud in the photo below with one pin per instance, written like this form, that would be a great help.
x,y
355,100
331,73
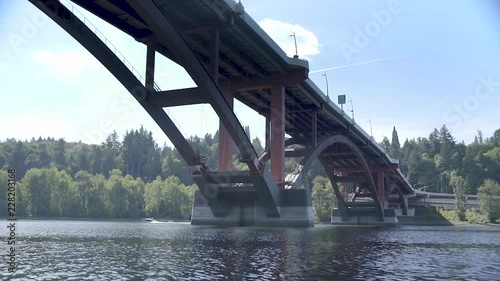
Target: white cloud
x,y
65,64
307,42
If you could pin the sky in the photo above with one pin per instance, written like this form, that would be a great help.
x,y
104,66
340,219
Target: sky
x,y
415,65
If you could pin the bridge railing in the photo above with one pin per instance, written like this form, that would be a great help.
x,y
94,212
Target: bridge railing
x,y
103,38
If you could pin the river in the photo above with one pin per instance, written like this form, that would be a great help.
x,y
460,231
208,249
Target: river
x,y
88,250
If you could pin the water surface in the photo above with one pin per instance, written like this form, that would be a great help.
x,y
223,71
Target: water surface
x,y
77,250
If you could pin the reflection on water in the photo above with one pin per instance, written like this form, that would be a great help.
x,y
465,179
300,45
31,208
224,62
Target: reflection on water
x,y
55,250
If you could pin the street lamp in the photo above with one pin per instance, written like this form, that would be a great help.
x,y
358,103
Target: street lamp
x,y
295,40
371,131
326,78
352,108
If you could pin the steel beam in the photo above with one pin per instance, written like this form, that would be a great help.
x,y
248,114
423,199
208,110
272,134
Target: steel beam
x,y
150,63
292,77
295,152
314,131
178,97
167,33
268,133
344,179
374,168
214,53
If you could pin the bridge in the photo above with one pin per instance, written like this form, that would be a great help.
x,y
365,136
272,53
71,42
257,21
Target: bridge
x,y
424,198
230,57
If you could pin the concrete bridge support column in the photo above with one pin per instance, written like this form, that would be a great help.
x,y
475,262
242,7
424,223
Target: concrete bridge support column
x,y
278,133
345,187
381,189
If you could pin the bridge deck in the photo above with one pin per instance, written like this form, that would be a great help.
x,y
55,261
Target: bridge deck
x,y
249,62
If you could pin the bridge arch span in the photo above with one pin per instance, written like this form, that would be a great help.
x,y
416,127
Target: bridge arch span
x,y
394,187
294,179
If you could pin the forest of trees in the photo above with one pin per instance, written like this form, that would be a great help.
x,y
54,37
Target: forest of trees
x,y
131,176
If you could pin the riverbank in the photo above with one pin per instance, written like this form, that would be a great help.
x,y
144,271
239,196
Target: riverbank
x,y
430,216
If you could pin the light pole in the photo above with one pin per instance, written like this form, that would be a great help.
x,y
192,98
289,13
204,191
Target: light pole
x,y
326,78
371,131
295,40
352,108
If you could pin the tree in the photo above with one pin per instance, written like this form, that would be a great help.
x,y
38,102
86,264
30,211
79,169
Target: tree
x,y
395,146
60,154
154,202
62,194
460,189
386,144
112,141
141,154
479,136
135,197
36,193
116,195
257,145
489,197
18,159
3,191
3,160
323,198
90,193
446,151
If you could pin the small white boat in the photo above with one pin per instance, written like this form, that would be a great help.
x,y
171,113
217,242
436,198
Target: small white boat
x,y
148,219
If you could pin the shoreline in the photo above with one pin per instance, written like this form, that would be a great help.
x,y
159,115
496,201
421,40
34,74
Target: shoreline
x,y
91,219
402,221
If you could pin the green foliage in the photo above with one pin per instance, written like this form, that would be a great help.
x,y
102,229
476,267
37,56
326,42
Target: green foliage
x,y
132,176
168,198
489,196
323,198
460,189
428,162
394,147
475,216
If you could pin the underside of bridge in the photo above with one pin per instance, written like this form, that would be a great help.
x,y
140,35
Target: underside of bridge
x,y
229,57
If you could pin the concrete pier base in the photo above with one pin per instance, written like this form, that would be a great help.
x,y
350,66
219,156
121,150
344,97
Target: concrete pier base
x,y
242,208
365,218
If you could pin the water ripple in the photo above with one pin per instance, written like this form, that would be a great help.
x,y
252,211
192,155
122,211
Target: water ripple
x,y
55,250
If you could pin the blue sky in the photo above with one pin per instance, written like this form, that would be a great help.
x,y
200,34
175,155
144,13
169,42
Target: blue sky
x,y
432,63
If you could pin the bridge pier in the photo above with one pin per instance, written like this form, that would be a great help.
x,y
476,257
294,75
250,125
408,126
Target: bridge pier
x,y
243,208
359,216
